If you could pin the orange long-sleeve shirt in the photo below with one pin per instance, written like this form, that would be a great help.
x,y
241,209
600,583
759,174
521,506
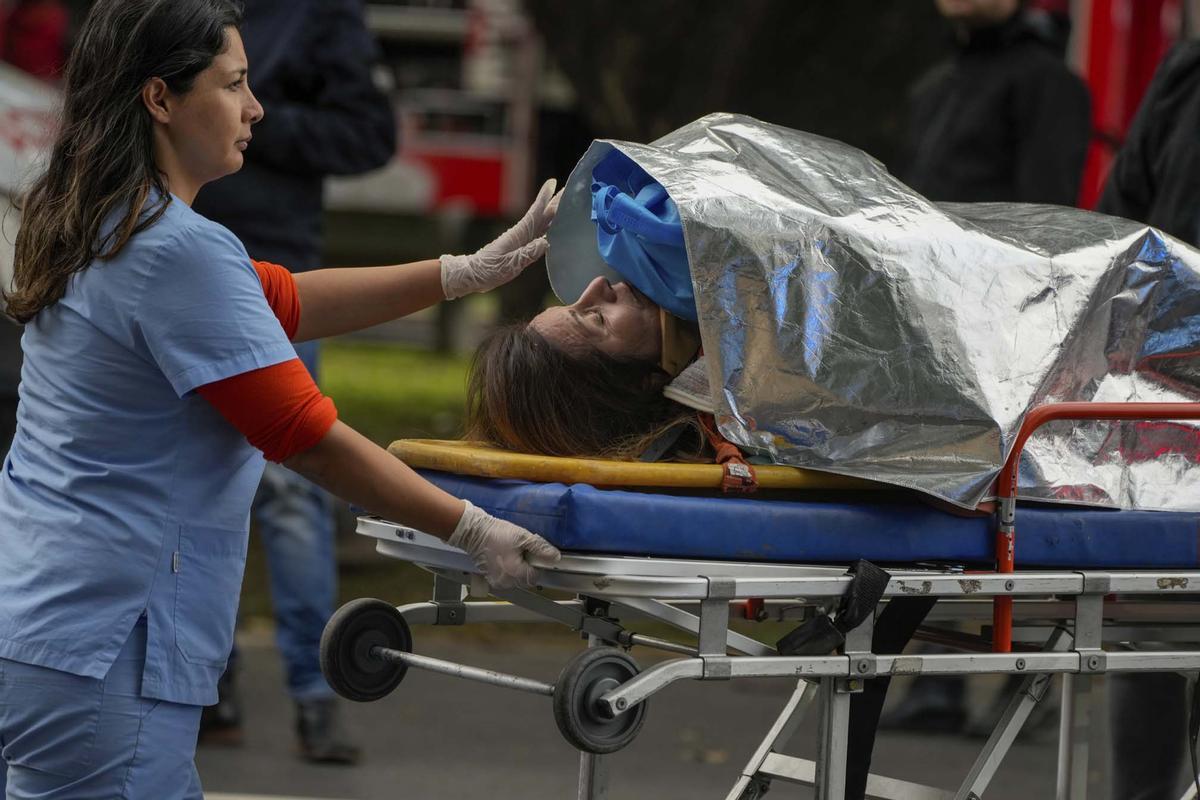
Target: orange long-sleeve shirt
x,y
279,409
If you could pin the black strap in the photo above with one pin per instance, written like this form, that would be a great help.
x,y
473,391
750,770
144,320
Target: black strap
x,y
893,630
815,637
862,596
825,633
1194,732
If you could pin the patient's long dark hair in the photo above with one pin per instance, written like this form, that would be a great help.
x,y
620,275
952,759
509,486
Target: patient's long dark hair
x,y
527,395
102,160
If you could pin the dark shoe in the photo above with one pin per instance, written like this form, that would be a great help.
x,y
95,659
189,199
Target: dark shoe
x,y
322,740
221,725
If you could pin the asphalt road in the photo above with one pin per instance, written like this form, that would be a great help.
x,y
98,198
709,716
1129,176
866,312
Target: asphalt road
x,y
438,737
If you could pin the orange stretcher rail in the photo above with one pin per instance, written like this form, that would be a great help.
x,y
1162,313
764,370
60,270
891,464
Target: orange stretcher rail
x,y
1006,484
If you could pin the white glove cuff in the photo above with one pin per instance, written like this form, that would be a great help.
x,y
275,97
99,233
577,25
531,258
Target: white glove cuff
x,y
452,266
471,514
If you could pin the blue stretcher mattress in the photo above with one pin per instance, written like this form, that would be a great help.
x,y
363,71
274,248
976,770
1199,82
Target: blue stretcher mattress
x,y
838,530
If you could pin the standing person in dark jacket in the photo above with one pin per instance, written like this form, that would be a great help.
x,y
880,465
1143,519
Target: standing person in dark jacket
x,y
312,62
1154,180
1004,119
1155,176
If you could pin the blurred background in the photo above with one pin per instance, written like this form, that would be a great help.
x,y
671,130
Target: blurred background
x,y
491,97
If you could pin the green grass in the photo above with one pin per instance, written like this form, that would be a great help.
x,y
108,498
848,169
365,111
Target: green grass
x,y
390,392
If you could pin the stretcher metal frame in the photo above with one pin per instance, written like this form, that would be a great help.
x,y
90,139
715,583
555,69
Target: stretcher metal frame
x,y
1059,621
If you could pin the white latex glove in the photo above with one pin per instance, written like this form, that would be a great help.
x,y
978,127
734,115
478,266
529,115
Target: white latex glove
x,y
500,549
505,258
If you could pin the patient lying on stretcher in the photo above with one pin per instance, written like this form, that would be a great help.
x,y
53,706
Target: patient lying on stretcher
x,y
853,326
585,379
948,328
588,379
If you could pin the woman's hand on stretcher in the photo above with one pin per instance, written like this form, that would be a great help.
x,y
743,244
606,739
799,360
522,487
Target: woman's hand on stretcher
x,y
501,550
354,468
506,257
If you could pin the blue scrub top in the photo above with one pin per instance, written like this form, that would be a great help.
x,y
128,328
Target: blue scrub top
x,y
125,493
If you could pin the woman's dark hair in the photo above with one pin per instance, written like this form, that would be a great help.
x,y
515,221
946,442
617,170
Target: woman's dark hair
x,y
527,395
102,161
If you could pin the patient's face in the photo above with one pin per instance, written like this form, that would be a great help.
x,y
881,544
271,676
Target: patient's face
x,y
617,320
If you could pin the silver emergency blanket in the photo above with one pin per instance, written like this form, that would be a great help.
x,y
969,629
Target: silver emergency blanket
x,y
852,326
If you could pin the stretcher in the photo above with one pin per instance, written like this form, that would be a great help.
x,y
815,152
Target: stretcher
x,y
1090,582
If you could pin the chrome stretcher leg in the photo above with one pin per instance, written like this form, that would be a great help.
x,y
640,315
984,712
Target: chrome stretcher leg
x,y
1032,690
753,785
833,735
886,635
1074,732
833,726
1074,735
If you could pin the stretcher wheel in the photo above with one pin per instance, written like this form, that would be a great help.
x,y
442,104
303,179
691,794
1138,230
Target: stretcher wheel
x,y
577,711
346,644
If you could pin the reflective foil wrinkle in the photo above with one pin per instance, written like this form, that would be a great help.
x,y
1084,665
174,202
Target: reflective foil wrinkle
x,y
853,326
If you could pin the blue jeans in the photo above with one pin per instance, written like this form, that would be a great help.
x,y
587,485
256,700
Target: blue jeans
x,y
67,737
295,523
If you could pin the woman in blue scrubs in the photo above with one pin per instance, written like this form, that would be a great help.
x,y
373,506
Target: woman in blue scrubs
x,y
124,501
